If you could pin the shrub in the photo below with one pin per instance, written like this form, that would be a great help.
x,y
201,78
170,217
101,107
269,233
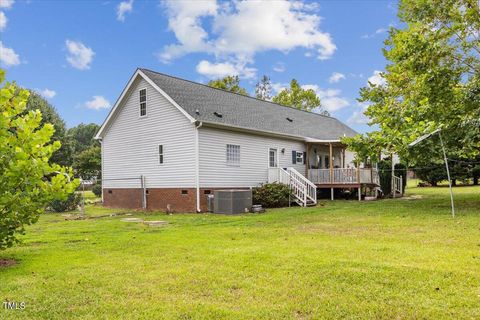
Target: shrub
x,y
97,190
70,204
385,175
433,173
271,195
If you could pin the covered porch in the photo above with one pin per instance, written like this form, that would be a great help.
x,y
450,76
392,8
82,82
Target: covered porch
x,y
329,165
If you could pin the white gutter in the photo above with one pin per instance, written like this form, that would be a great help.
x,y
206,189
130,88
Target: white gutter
x,y
266,132
197,165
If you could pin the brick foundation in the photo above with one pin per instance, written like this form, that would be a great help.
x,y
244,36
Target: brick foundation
x,y
178,199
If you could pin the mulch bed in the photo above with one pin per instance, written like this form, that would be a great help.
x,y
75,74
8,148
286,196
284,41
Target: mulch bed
x,y
4,263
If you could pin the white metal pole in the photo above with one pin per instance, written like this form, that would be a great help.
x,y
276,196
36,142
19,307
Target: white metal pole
x,y
448,173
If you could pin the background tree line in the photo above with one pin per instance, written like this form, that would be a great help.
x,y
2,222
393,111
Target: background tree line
x,y
294,96
79,149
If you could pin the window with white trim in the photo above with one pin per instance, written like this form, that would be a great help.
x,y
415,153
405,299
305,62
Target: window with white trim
x,y
233,155
299,157
272,158
160,153
143,102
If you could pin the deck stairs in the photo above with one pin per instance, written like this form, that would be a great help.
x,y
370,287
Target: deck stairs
x,y
304,191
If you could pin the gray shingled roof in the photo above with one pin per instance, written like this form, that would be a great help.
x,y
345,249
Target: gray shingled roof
x,y
201,102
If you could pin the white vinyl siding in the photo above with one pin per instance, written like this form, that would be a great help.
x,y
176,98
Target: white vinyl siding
x,y
130,146
214,171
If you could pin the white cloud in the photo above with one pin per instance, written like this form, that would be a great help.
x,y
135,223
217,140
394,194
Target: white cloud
x,y
331,99
377,32
359,117
46,93
336,77
239,30
123,8
222,69
79,56
8,57
377,78
277,86
97,103
3,21
279,67
6,4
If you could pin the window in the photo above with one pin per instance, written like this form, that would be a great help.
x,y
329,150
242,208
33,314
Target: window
x,y
160,154
327,162
233,155
184,192
272,158
143,102
299,157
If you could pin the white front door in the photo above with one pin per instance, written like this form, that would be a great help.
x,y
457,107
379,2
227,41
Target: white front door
x,y
272,158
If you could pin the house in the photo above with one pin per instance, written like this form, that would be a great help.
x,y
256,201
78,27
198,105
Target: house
x,y
169,142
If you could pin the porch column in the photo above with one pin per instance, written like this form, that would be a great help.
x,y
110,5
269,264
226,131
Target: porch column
x,y
307,160
331,162
358,171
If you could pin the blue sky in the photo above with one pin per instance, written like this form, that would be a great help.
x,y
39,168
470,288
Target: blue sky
x,y
80,54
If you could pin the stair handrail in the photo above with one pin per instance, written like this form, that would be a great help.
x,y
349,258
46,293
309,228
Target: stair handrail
x,y
310,189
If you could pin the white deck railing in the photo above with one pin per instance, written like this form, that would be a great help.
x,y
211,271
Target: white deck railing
x,y
397,185
302,189
343,176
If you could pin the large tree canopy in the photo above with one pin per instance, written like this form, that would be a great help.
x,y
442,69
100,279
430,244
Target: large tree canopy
x,y
432,81
87,162
63,156
228,83
82,136
28,181
297,97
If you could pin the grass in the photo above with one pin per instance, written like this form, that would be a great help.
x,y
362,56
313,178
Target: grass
x,y
344,259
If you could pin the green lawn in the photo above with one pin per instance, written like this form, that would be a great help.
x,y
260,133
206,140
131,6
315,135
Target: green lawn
x,y
389,259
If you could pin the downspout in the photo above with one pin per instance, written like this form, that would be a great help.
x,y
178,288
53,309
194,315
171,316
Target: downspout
x,y
198,125
101,165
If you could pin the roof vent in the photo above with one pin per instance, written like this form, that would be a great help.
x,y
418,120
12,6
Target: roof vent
x,y
218,114
197,112
289,119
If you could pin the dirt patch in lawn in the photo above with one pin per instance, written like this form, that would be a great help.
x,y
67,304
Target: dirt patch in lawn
x,y
5,263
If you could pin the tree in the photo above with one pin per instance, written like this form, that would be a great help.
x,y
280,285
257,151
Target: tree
x,y
28,181
88,164
263,89
432,81
82,137
228,83
298,97
62,156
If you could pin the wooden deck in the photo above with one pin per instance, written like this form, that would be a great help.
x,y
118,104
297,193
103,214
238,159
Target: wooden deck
x,y
343,177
